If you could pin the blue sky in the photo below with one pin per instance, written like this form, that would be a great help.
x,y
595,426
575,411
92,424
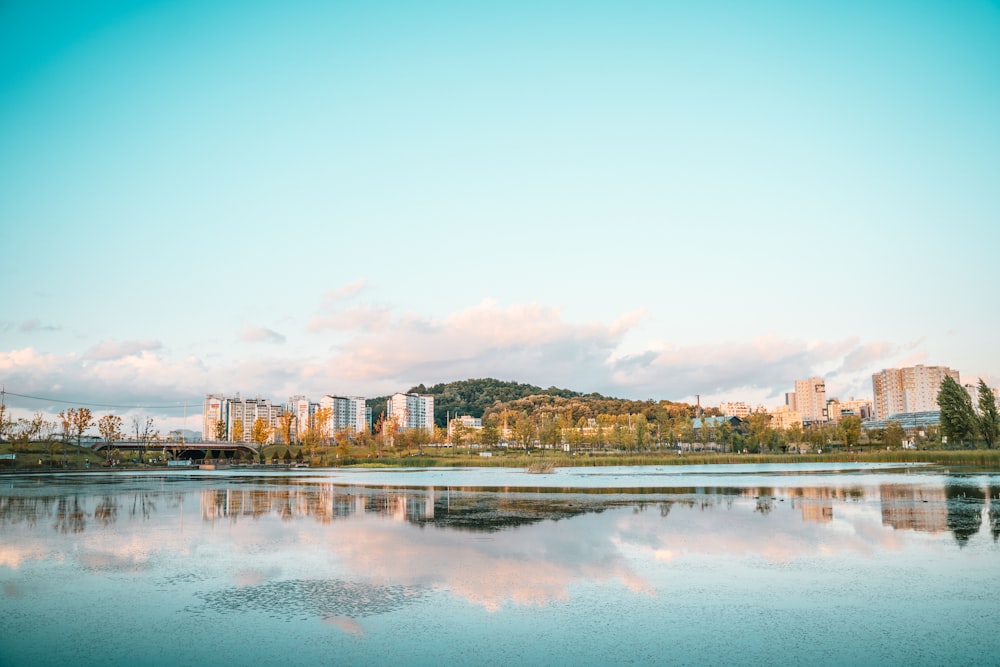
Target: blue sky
x,y
645,199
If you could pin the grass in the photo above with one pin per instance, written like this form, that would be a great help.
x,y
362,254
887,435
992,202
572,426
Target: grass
x,y
536,461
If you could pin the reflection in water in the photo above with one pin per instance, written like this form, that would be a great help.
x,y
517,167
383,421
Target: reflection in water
x,y
955,507
909,507
201,568
965,511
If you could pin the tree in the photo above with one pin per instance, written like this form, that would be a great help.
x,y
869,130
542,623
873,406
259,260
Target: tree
x,y
144,432
989,420
80,419
22,432
322,423
760,429
5,420
220,430
261,431
237,434
285,421
958,419
490,435
110,428
893,434
850,430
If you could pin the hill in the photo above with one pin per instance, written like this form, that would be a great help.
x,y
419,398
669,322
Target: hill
x,y
484,396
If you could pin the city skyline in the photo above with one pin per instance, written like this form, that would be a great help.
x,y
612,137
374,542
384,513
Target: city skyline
x,y
645,201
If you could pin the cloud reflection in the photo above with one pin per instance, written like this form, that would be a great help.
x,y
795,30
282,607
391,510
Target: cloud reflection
x,y
274,539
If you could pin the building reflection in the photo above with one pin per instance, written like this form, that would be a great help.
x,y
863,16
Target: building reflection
x,y
920,508
959,507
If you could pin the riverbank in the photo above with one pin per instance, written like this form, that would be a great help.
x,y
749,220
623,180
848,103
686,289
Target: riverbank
x,y
545,459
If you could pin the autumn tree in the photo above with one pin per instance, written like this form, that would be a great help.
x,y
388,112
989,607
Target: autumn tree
x,y
285,422
322,424
261,431
958,419
238,428
110,428
989,420
23,431
76,421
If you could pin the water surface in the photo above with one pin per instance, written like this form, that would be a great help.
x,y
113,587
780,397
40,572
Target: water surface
x,y
818,564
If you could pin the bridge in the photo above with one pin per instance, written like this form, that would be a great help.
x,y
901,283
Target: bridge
x,y
181,450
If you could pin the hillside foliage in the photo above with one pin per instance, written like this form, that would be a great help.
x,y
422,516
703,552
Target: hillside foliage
x,y
483,397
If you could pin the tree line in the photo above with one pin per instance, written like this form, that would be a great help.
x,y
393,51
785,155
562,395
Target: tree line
x,y
965,422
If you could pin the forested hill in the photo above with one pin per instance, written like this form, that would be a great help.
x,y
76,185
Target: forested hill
x,y
484,396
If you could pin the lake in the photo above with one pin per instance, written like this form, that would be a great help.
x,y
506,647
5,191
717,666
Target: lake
x,y
750,565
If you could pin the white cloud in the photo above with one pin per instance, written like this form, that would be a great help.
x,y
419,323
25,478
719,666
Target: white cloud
x,y
252,334
345,291
114,349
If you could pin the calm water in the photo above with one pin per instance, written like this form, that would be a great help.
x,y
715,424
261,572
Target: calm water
x,y
823,564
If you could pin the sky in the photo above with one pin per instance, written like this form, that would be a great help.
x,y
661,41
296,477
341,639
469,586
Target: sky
x,y
650,200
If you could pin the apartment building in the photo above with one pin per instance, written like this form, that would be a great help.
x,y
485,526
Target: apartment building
x,y
304,411
411,411
858,407
214,411
735,409
785,417
910,389
809,399
238,415
346,412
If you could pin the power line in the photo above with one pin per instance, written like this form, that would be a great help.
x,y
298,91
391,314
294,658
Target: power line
x,y
178,406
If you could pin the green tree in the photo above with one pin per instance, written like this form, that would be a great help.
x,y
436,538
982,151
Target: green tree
x,y
220,430
893,434
850,430
989,420
958,419
490,435
760,429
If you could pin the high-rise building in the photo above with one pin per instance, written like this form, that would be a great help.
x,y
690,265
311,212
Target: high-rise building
x,y
810,399
215,411
239,416
346,412
910,389
303,409
411,411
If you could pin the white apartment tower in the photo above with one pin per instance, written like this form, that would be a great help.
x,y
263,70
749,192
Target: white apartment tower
x,y
237,412
216,410
346,412
910,389
810,399
303,409
411,411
